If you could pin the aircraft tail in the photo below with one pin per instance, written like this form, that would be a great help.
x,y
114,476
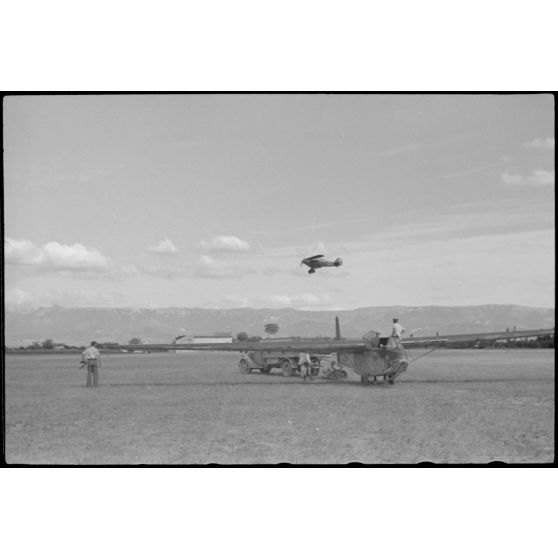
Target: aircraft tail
x,y
338,262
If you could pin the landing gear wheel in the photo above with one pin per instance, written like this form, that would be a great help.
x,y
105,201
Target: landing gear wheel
x,y
286,368
244,367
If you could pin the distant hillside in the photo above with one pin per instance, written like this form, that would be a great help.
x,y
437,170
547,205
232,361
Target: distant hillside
x,y
81,325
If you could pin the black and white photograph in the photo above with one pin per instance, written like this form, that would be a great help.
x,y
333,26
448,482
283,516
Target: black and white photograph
x,y
278,278
265,279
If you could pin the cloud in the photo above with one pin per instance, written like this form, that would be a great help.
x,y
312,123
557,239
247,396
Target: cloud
x,y
540,143
73,256
166,246
22,252
53,255
536,178
224,244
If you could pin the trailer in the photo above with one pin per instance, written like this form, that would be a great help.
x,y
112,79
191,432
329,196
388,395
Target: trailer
x,y
264,361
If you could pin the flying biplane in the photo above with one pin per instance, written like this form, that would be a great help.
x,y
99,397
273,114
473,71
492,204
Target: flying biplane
x,y
315,262
372,357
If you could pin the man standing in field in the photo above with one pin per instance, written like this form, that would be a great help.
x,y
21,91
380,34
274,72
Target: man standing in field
x,y
304,364
92,358
394,342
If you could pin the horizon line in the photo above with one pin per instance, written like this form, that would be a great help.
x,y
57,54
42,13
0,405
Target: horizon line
x,y
267,308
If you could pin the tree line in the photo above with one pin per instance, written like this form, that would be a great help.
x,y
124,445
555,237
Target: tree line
x,y
50,344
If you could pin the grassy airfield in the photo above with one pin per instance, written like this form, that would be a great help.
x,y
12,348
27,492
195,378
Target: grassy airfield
x,y
460,406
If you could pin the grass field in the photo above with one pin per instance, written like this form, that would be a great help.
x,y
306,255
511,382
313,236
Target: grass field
x,y
468,406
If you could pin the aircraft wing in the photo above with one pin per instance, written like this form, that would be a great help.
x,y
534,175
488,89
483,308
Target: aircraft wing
x,y
306,345
472,338
326,346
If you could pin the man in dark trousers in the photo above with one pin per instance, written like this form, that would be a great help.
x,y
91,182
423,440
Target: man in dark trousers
x,y
92,358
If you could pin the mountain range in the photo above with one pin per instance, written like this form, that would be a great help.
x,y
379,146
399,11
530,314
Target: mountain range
x,y
78,326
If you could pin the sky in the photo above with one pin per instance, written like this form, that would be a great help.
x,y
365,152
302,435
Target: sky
x,y
213,200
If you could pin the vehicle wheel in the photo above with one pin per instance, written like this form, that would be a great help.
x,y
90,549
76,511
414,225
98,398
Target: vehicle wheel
x,y
266,369
244,367
286,368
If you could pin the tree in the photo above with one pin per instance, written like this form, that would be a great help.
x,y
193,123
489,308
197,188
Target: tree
x,y
135,341
242,336
48,344
271,329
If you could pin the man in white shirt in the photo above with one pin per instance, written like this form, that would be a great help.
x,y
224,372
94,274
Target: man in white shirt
x,y
92,357
394,342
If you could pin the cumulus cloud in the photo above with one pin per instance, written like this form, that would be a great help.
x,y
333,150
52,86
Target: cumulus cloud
x,y
166,246
536,178
54,255
224,244
22,252
540,143
72,256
